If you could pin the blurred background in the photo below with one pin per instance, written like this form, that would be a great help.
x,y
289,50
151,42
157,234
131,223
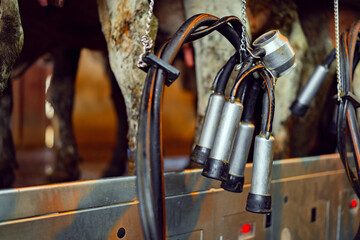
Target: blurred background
x,y
94,121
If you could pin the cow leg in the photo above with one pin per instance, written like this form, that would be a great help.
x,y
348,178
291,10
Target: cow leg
x,y
117,165
11,38
7,149
61,96
124,49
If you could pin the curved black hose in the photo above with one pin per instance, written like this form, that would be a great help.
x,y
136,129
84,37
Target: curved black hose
x,y
149,181
330,58
149,155
346,78
271,103
225,75
353,127
248,66
241,94
349,56
340,129
250,101
264,113
156,151
144,181
244,72
228,32
216,80
156,157
221,25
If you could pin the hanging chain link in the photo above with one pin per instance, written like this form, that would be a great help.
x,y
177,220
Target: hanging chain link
x,y
146,41
244,21
337,40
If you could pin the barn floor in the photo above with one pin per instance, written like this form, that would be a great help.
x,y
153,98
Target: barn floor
x,y
34,164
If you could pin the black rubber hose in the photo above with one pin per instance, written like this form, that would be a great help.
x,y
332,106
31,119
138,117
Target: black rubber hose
x,y
156,157
268,118
238,90
351,120
330,58
353,38
151,213
247,67
222,26
154,135
250,100
241,94
341,115
144,181
225,75
341,125
269,87
349,60
215,82
264,113
183,35
157,169
353,179
349,56
342,109
233,20
227,31
353,127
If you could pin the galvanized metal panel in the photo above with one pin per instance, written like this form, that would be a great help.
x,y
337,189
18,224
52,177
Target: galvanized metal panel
x,y
98,223
196,207
34,201
47,199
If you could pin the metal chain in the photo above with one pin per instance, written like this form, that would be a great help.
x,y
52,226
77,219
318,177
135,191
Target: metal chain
x,y
244,21
338,70
146,41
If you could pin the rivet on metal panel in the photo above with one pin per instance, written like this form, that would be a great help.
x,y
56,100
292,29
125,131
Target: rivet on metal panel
x,y
121,233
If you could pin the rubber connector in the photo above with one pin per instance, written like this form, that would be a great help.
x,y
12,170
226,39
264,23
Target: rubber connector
x,y
233,184
298,109
215,169
200,154
171,72
258,203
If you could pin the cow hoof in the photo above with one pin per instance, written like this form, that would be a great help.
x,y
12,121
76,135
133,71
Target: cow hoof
x,y
62,174
7,177
114,171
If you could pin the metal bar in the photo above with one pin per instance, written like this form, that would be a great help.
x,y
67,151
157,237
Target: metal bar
x,y
48,199
304,206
